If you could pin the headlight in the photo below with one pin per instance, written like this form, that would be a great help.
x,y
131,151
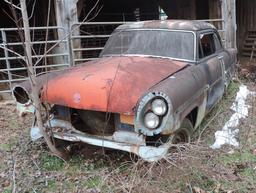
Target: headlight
x,y
159,107
151,120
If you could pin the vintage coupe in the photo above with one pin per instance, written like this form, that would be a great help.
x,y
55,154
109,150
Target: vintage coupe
x,y
150,88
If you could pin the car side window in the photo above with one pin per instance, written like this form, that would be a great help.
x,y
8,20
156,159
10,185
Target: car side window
x,y
207,46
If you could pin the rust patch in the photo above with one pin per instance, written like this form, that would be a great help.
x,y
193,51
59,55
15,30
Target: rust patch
x,y
127,119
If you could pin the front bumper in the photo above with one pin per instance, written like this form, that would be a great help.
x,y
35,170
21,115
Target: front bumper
x,y
147,153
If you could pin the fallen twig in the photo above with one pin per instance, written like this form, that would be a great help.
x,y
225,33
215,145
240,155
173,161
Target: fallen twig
x,y
13,177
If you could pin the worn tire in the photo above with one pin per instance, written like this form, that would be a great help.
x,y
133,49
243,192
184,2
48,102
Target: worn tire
x,y
183,134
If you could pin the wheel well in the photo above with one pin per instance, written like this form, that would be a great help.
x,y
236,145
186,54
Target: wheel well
x,y
192,116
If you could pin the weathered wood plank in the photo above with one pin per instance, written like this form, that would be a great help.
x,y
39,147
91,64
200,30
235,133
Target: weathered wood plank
x,y
66,16
230,21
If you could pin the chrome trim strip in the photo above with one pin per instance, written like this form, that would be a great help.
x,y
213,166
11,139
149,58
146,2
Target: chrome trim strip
x,y
153,56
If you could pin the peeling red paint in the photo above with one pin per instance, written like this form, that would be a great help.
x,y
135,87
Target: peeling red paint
x,y
110,84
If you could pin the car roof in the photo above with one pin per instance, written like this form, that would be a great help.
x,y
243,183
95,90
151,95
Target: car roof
x,y
187,25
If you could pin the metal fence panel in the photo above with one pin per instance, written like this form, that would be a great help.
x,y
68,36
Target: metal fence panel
x,y
12,66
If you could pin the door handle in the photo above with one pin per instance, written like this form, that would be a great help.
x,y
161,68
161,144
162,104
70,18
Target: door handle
x,y
220,57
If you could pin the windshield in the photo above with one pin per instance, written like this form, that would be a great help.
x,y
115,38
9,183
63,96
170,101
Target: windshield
x,y
162,43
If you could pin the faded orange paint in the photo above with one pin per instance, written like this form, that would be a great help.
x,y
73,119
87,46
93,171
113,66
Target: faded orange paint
x,y
127,119
112,84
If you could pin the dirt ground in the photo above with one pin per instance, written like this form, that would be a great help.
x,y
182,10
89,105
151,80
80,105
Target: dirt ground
x,y
27,166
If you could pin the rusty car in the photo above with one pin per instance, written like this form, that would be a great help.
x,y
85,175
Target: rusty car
x,y
150,88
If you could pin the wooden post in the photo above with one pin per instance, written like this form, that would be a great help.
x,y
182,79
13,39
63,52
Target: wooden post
x,y
66,16
224,18
230,23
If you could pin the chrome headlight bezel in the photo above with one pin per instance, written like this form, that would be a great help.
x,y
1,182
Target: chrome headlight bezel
x,y
144,107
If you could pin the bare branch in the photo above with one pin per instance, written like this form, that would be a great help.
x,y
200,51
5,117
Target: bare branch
x,y
10,17
13,176
19,76
32,12
9,50
10,3
97,12
72,30
34,84
26,42
47,30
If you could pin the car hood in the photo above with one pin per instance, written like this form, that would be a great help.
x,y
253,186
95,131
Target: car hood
x,y
111,84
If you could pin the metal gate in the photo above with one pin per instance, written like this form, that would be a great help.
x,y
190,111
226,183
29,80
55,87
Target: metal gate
x,y
12,65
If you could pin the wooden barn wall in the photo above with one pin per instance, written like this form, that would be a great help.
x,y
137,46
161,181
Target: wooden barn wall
x,y
192,9
177,9
215,9
215,12
246,19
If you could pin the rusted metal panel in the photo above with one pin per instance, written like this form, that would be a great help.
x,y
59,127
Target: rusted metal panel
x,y
127,119
112,84
41,80
183,85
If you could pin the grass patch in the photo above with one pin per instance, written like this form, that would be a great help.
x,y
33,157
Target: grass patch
x,y
7,190
69,186
93,182
238,157
52,186
5,147
233,87
51,163
13,123
243,164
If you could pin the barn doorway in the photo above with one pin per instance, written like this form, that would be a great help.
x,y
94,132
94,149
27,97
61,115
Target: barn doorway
x,y
246,27
202,9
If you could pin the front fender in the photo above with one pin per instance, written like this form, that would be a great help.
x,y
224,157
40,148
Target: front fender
x,y
185,90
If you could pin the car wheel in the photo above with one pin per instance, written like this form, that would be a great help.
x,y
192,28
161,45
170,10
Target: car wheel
x,y
183,134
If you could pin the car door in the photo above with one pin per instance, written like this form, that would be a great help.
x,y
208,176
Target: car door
x,y
211,58
225,59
